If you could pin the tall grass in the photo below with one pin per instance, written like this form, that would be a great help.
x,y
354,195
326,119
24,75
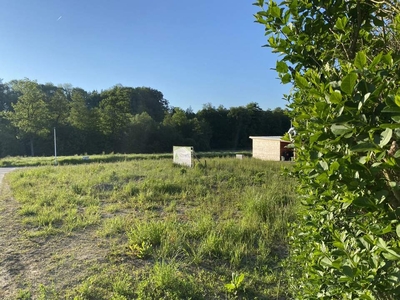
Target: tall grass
x,y
190,228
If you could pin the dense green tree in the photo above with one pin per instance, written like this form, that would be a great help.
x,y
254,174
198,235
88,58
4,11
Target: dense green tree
x,y
84,122
30,114
114,115
231,128
190,114
9,144
3,100
7,96
343,59
144,99
59,107
220,129
140,134
80,116
240,120
192,132
93,99
276,122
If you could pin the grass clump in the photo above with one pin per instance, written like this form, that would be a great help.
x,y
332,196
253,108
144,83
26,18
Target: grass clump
x,y
167,281
111,283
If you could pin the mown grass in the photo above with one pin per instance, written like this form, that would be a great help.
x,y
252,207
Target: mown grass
x,y
171,232
24,161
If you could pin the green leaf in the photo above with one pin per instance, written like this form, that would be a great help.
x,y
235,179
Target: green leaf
x,y
259,3
388,59
339,245
240,279
366,97
230,287
398,230
349,135
334,166
281,67
301,82
362,147
386,136
286,30
390,101
382,244
367,297
348,271
360,60
390,256
362,160
336,97
323,165
392,125
391,109
275,11
286,78
397,100
326,262
348,83
365,244
340,129
339,24
377,60
303,117
387,229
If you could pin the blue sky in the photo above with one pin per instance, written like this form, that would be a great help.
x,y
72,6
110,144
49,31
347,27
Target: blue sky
x,y
194,52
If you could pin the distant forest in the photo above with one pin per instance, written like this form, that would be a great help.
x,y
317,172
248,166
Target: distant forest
x,y
121,120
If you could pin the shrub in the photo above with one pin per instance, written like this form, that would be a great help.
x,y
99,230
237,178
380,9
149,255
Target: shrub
x,y
343,59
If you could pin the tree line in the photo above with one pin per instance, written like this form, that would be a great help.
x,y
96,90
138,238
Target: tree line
x,y
121,120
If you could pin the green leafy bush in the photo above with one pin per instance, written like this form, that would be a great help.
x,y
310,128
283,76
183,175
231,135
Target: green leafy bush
x,y
342,58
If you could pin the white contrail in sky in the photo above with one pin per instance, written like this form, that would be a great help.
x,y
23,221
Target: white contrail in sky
x,y
59,18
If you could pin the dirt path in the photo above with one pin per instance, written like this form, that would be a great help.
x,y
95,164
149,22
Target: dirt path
x,y
26,263
4,171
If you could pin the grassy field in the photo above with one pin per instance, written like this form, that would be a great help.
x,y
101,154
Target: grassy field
x,y
147,229
26,161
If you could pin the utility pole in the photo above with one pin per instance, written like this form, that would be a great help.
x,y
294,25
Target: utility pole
x,y
55,147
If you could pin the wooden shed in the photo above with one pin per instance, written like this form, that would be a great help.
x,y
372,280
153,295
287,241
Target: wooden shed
x,y
271,148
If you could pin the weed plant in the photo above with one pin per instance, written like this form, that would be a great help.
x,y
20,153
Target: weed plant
x,y
171,232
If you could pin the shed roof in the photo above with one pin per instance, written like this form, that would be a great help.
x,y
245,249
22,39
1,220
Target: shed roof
x,y
271,138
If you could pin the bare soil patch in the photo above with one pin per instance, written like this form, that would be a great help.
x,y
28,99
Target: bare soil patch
x,y
60,262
